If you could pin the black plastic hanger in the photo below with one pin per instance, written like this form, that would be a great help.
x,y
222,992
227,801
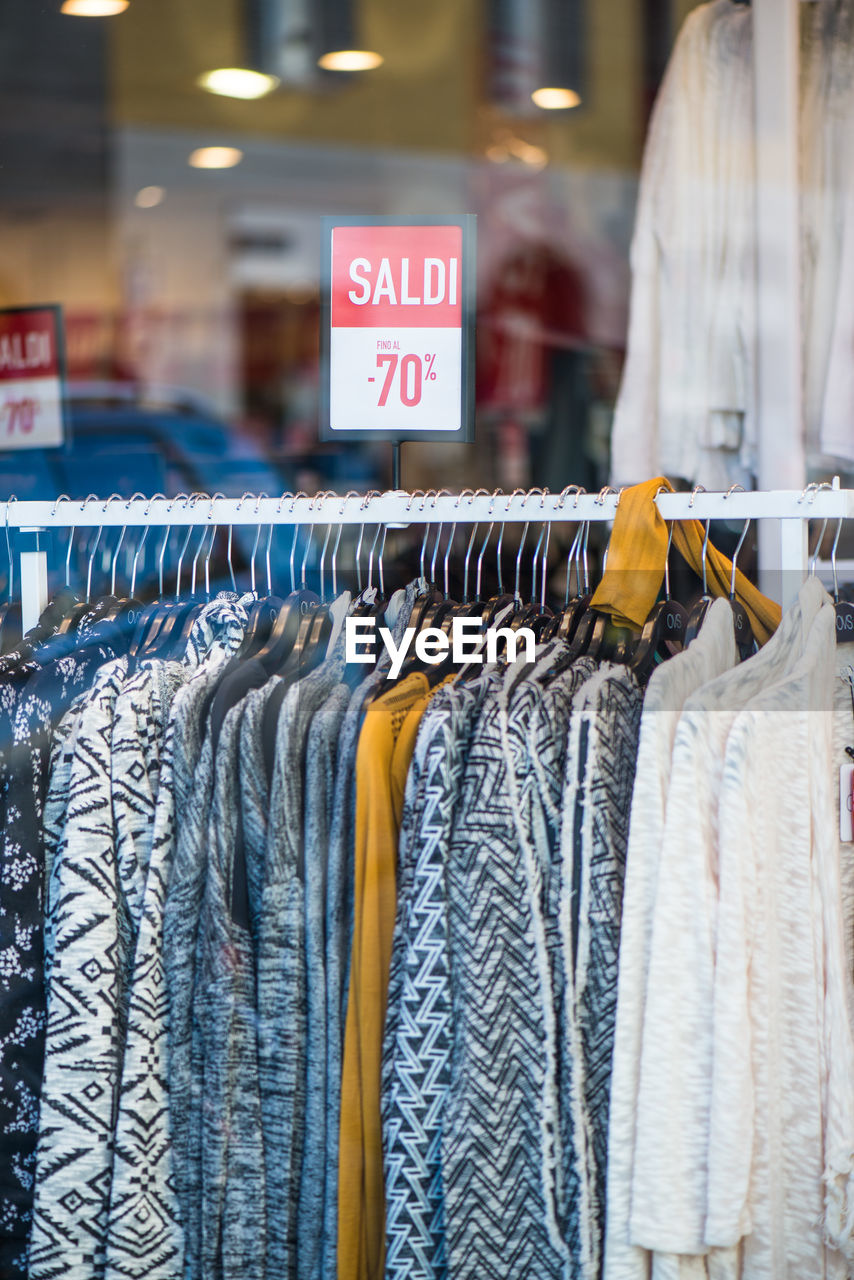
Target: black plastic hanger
x,y
700,608
565,623
844,608
664,630
153,617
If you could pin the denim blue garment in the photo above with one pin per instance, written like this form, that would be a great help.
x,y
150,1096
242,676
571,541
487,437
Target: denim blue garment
x,y
288,1006
225,1038
417,1037
189,799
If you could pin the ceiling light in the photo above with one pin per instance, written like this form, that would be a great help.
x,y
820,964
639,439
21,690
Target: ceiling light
x,y
94,8
555,99
149,197
237,82
350,60
215,158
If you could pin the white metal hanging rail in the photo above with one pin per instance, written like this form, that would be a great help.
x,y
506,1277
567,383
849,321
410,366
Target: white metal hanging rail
x,y
403,508
792,508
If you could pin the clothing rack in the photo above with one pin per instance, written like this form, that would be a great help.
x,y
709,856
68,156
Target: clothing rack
x,y
790,509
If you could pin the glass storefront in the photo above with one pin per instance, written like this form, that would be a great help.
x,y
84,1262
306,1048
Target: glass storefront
x,y
174,216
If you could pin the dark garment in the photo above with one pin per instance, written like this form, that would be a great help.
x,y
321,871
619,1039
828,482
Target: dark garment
x,y
33,699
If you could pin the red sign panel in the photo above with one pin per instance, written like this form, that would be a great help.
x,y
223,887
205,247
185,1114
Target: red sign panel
x,y
31,378
406,277
28,344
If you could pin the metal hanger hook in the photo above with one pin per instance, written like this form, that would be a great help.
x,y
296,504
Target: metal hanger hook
x,y
335,558
816,553
704,554
191,502
267,559
423,554
371,558
9,502
115,560
63,497
202,540
436,551
305,555
466,565
447,556
359,556
136,556
663,489
515,494
322,564
600,501
252,561
585,539
380,562
522,541
738,547
736,488
484,545
535,559
701,488
564,493
91,561
160,559
548,528
833,560
572,555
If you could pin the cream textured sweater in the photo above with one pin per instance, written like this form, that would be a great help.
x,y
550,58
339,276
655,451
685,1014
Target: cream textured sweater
x,y
687,404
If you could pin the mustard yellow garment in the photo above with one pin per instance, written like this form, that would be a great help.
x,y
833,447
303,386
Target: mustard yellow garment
x,y
636,557
383,756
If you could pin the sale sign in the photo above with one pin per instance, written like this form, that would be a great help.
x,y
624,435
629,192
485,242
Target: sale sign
x,y
398,340
32,378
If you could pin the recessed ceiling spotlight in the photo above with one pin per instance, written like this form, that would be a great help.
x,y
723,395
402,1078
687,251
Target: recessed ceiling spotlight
x,y
93,8
350,60
555,99
237,82
215,157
